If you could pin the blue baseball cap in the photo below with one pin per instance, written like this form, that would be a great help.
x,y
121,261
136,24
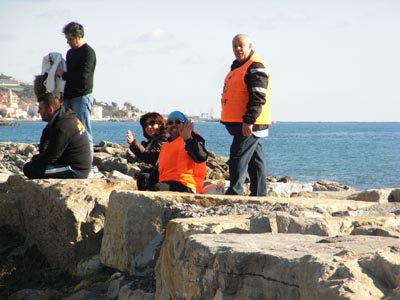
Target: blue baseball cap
x,y
177,115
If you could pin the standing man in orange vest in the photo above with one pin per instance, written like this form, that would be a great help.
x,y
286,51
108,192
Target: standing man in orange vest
x,y
246,115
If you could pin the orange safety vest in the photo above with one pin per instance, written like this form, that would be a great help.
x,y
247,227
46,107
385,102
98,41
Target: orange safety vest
x,y
175,164
235,95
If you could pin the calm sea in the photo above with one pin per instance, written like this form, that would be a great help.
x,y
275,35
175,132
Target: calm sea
x,y
361,155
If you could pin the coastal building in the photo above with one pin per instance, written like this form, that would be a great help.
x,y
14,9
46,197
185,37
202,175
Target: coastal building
x,y
9,99
97,112
30,108
9,104
17,100
8,82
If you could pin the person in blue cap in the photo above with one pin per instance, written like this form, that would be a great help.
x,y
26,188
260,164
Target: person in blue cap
x,y
181,164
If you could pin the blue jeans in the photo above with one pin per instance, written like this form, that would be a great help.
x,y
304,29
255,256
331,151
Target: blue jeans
x,y
246,155
82,105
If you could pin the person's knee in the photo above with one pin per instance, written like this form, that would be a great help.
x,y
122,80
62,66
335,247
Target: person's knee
x,y
27,169
32,170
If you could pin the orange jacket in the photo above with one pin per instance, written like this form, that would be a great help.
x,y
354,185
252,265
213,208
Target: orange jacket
x,y
235,95
174,164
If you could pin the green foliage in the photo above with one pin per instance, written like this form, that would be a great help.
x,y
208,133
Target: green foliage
x,y
113,111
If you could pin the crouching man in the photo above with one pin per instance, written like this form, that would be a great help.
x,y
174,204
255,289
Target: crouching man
x,y
64,149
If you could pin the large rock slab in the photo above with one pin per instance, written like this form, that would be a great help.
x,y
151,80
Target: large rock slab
x,y
338,225
132,221
276,266
374,195
64,218
135,218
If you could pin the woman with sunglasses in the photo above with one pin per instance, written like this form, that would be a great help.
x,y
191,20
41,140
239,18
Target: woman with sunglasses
x,y
155,131
182,162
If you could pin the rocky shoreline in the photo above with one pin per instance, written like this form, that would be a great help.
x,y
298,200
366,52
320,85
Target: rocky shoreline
x,y
25,272
8,123
116,161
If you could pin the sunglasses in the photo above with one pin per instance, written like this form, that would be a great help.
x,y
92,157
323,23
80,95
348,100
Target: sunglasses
x,y
150,123
176,122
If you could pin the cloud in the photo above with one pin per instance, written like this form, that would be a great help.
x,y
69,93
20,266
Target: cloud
x,y
7,37
155,42
33,1
294,17
195,59
55,15
156,35
283,18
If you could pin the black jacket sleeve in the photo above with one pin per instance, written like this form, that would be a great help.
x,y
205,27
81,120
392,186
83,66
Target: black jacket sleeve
x,y
195,147
256,79
148,152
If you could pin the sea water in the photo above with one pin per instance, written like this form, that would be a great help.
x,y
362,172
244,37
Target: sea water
x,y
360,154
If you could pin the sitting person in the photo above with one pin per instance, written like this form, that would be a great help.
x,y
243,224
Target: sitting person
x,y
182,162
64,150
155,131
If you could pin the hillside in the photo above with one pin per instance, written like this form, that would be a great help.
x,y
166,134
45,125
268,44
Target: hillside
x,y
24,91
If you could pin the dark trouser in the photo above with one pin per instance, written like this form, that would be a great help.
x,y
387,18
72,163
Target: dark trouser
x,y
246,155
36,170
143,181
173,186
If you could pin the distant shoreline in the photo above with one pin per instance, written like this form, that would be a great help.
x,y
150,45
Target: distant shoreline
x,y
217,120
202,120
8,122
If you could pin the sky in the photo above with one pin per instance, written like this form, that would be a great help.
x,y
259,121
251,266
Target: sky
x,y
330,60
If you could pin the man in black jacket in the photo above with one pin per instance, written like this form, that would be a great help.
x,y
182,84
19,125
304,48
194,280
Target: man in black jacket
x,y
64,150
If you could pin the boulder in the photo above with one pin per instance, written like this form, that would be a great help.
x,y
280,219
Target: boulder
x,y
275,266
135,218
373,195
64,218
338,226
394,196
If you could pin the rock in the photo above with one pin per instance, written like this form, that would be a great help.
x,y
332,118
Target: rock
x,y
394,196
109,144
326,185
115,286
143,263
89,266
112,164
30,294
120,176
285,179
314,245
281,189
109,157
127,294
134,219
372,195
303,194
275,266
99,158
63,218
